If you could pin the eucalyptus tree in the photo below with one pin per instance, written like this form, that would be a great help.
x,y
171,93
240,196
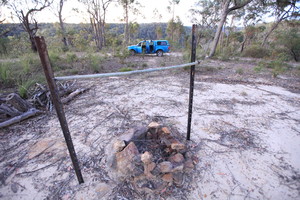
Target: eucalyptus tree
x,y
172,24
25,11
97,9
127,6
227,7
58,8
280,11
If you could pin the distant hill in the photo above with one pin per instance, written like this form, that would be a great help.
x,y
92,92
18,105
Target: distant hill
x,y
146,30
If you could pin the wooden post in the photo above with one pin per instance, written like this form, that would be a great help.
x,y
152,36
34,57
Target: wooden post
x,y
192,77
43,53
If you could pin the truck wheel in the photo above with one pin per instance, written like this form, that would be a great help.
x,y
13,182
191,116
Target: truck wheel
x,y
159,53
132,52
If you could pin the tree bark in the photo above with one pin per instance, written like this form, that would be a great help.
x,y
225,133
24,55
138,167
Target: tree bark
x,y
126,30
226,10
30,113
62,25
219,29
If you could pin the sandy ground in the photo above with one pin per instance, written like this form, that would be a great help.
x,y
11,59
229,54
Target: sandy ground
x,y
245,131
247,137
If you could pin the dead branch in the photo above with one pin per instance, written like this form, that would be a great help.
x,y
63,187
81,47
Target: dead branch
x,y
30,113
72,95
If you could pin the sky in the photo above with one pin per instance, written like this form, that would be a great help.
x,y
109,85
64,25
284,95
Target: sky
x,y
115,13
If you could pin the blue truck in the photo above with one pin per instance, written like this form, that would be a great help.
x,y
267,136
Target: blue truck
x,y
150,47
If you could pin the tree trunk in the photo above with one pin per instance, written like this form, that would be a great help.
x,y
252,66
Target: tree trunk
x,y
219,29
126,30
62,26
269,33
243,44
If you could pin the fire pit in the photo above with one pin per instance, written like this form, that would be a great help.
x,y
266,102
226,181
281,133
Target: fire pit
x,y
151,158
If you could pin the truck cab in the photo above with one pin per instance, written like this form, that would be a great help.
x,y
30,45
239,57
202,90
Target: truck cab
x,y
158,47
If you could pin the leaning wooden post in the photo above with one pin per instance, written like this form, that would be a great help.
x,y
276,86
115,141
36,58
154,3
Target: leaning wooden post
x,y
192,77
43,53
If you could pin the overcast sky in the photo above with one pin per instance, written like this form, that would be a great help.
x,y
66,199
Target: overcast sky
x,y
115,13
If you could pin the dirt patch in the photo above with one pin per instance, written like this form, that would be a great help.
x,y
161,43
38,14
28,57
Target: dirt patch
x,y
246,136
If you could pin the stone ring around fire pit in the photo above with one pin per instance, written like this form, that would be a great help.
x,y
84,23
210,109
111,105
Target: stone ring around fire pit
x,y
151,157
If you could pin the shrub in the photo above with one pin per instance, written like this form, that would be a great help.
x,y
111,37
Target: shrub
x,y
277,67
5,73
258,68
125,69
29,62
54,59
95,63
240,71
281,54
256,51
290,40
71,58
23,88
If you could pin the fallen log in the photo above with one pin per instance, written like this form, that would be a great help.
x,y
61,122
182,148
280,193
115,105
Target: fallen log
x,y
17,102
30,113
7,112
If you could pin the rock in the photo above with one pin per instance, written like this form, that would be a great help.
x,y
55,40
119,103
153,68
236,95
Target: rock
x,y
153,129
154,125
119,145
167,178
14,187
177,158
126,159
146,157
165,131
178,178
165,167
195,159
148,168
178,168
188,165
177,146
151,166
172,142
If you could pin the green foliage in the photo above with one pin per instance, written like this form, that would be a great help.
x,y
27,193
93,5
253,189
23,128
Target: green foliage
x,y
175,31
162,64
5,73
187,55
54,59
29,62
256,51
23,88
122,53
95,63
276,66
240,71
290,40
4,46
125,69
281,54
258,68
71,58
